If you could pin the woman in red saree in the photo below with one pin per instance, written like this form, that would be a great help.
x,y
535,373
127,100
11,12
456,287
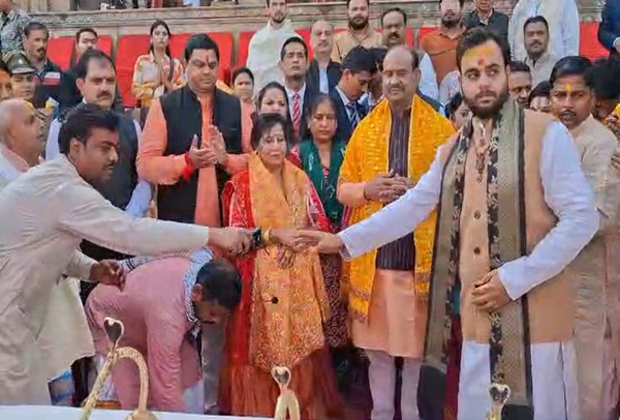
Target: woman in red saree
x,y
284,303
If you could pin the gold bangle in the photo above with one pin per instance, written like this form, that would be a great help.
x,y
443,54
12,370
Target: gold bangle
x,y
267,236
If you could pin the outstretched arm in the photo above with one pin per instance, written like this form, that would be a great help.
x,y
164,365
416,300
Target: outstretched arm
x,y
399,218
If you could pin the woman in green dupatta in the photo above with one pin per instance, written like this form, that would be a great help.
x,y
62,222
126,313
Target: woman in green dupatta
x,y
321,157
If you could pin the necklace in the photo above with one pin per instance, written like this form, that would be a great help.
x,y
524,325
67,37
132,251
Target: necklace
x,y
481,146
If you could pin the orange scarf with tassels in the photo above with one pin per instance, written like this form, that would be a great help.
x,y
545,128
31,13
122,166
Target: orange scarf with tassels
x,y
367,157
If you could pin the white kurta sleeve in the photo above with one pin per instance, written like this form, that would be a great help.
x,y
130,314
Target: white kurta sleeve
x,y
570,31
428,79
399,218
79,266
86,214
52,148
570,197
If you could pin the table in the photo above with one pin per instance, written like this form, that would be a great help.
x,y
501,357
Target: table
x,y
31,412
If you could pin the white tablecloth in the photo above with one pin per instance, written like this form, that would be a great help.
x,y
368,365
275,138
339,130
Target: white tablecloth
x,y
59,413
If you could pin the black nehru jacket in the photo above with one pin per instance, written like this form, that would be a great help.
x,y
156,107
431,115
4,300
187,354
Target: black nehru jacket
x,y
183,114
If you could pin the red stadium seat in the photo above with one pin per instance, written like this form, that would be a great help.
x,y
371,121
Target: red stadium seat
x,y
106,44
59,51
242,51
590,47
128,49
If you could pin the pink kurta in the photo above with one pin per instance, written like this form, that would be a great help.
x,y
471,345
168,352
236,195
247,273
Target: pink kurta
x,y
152,307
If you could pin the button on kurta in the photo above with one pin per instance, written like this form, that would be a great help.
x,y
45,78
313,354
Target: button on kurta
x,y
477,215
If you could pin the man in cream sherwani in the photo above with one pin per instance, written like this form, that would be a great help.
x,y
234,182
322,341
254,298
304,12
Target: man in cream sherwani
x,y
45,214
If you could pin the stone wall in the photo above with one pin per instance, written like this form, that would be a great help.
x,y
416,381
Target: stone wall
x,y
227,17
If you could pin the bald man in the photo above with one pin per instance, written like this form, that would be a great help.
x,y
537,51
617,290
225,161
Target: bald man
x,y
20,139
323,74
65,337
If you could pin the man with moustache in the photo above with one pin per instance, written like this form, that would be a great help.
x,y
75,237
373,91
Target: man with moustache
x,y
388,289
85,40
563,26
519,82
441,44
572,100
515,209
36,36
265,45
539,58
485,15
51,209
65,337
323,73
394,26
359,31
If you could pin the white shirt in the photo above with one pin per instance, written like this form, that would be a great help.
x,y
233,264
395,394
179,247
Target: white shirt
x,y
291,93
567,193
428,79
264,54
140,201
323,81
345,101
563,19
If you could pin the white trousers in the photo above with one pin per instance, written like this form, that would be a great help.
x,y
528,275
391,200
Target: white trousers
x,y
554,381
382,375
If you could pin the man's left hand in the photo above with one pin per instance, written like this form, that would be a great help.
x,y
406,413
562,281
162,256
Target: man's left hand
x,y
489,294
108,272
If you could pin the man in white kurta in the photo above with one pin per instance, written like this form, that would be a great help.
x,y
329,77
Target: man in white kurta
x,y
563,193
572,99
266,44
563,18
65,337
50,210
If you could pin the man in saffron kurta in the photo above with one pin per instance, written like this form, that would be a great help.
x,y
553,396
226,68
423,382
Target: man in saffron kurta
x,y
389,287
515,209
572,99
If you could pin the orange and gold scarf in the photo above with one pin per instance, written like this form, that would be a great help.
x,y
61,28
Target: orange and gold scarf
x,y
367,157
289,305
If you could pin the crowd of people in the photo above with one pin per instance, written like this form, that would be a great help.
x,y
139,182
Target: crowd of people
x,y
399,227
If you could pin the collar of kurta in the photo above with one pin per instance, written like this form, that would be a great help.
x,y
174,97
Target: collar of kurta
x,y
18,162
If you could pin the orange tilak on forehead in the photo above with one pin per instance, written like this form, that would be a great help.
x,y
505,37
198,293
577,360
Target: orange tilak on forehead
x,y
480,54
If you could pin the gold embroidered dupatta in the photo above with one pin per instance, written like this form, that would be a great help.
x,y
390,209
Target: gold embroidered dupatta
x,y
288,305
367,157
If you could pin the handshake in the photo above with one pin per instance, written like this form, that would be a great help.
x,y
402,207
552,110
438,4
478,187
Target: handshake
x,y
238,241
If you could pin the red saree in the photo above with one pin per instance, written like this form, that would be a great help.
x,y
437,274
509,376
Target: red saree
x,y
279,320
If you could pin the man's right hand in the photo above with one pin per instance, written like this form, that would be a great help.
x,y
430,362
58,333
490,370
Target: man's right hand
x,y
325,243
385,188
201,157
236,241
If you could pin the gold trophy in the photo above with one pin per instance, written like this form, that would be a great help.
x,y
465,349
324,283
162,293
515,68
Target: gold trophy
x,y
287,401
499,394
115,330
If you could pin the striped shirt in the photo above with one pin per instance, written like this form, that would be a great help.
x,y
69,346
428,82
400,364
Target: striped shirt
x,y
400,254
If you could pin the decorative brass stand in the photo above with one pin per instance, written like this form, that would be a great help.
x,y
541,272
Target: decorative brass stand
x,y
499,394
115,330
287,401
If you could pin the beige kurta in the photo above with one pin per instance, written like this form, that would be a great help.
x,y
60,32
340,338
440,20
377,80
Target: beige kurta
x,y
51,209
65,337
596,144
